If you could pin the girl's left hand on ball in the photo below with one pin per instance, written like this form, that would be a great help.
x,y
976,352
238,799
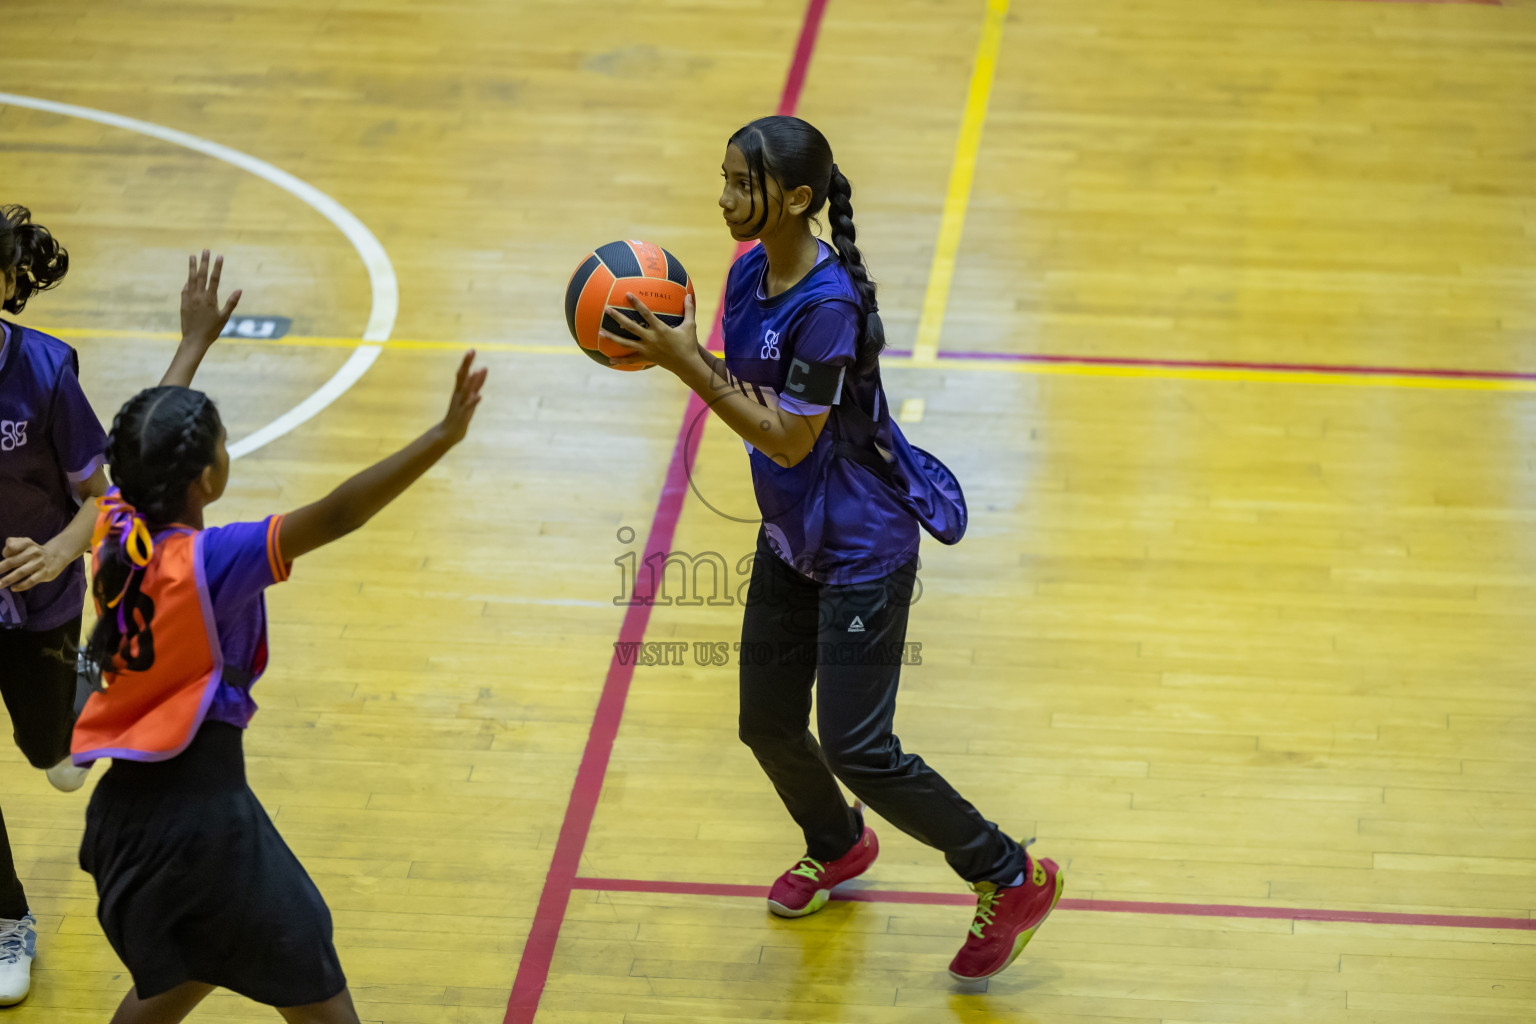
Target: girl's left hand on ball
x,y
655,342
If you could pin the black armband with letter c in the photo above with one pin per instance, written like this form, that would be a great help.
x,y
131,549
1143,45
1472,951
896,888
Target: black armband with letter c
x,y
814,383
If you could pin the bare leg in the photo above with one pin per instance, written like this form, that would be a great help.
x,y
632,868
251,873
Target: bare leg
x,y
336,1010
165,1008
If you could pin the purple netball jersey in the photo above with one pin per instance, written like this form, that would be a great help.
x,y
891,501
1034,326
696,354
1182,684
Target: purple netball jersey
x,y
50,441
830,517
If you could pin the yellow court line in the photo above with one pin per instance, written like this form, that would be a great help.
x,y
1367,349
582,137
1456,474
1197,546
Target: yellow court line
x,y
320,341
1234,374
1254,376
961,174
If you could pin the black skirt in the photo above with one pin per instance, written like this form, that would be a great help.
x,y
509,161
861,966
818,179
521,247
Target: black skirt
x,y
195,884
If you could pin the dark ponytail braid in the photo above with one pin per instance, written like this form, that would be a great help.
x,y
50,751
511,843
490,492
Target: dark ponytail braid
x,y
36,257
840,213
794,153
161,442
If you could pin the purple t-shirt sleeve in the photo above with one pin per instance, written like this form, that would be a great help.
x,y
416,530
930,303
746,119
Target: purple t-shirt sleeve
x,y
829,333
241,561
78,440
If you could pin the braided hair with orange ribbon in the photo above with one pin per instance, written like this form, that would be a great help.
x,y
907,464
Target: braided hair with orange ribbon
x,y
161,442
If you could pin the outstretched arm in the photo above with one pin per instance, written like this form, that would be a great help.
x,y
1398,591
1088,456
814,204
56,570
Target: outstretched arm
x,y
202,319
356,501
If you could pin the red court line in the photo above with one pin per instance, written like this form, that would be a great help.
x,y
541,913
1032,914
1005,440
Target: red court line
x,y
1484,3
1217,364
538,951
956,899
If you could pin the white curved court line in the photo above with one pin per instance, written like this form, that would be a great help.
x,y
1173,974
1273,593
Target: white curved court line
x,y
381,273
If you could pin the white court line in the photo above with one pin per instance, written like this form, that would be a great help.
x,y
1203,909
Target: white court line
x,y
381,273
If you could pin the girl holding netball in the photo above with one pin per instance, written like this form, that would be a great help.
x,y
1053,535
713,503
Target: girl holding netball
x,y
51,447
842,496
197,889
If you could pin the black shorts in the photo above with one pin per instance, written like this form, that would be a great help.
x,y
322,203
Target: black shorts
x,y
37,680
195,884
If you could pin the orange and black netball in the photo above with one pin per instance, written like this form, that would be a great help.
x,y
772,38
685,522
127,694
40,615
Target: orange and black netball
x,y
597,297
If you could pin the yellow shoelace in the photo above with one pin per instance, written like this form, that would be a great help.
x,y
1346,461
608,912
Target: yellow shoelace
x,y
985,911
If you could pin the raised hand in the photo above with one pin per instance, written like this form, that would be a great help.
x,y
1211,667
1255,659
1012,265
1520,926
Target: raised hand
x,y
202,318
466,395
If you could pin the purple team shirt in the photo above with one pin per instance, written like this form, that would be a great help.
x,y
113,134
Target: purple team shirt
x,y
238,568
50,441
830,519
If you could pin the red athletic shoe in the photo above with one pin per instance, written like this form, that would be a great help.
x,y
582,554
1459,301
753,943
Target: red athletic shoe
x,y
806,887
1006,919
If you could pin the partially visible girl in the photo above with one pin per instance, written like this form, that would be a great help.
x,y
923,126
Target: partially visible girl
x,y
51,449
197,889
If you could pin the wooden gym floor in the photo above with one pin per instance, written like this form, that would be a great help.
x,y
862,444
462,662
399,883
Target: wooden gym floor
x,y
1245,626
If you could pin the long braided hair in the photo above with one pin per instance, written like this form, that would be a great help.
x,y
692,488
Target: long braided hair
x,y
793,153
37,258
161,441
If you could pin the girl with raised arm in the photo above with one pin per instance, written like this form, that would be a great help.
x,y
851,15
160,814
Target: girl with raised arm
x,y
197,889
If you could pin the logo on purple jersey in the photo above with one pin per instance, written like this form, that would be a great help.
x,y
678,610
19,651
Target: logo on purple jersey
x,y
13,434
